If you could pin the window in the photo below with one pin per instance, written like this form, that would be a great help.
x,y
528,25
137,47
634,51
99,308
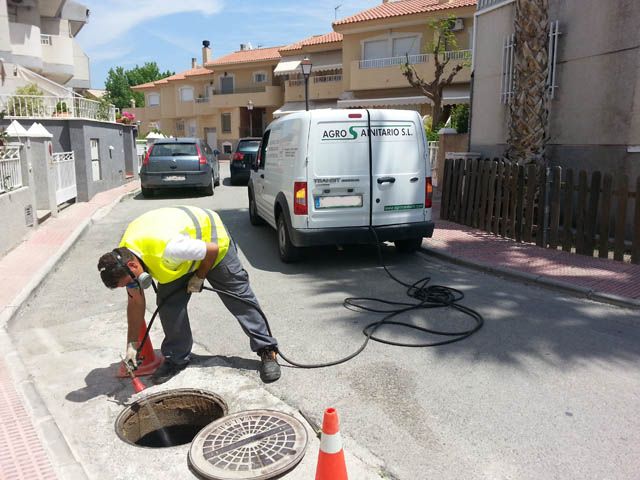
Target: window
x,y
375,49
507,73
227,148
259,77
405,45
226,123
186,94
153,100
95,159
180,125
226,85
264,148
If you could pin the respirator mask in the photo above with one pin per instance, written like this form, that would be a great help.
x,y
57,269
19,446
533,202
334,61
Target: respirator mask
x,y
144,280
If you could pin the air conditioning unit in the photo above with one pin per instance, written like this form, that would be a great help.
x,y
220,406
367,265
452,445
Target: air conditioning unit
x,y
458,25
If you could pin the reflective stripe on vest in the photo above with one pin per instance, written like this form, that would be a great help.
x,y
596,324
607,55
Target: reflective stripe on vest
x,y
147,237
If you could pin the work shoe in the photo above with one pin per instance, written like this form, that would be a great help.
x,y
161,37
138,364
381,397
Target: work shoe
x,y
166,371
269,368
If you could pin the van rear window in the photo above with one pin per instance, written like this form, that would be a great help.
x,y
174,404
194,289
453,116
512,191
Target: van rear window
x,y
173,150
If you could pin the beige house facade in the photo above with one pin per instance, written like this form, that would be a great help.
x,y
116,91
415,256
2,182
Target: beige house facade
x,y
377,41
594,84
356,65
233,97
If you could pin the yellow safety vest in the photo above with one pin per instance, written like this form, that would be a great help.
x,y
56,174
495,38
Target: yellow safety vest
x,y
147,237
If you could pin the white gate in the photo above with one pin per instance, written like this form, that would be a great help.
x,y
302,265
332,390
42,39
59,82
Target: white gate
x,y
10,169
65,172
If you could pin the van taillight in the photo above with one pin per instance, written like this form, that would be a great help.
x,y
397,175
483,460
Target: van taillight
x,y
203,159
238,156
428,193
146,157
355,115
300,198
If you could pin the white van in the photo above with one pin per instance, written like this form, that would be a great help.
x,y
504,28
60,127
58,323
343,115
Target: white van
x,y
326,176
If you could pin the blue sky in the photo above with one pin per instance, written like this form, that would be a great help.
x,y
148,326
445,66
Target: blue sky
x,y
170,32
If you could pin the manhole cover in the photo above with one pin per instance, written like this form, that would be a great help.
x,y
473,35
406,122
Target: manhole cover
x,y
254,444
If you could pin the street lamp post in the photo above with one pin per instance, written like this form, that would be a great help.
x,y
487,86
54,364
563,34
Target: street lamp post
x,y
250,108
306,66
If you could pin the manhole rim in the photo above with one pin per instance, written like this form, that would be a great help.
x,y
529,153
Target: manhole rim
x,y
198,442
155,396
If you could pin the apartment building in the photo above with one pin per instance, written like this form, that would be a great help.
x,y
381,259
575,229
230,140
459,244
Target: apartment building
x,y
233,97
325,82
377,41
593,83
40,36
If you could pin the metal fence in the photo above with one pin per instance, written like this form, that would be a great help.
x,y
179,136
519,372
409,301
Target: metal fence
x,y
434,147
43,106
10,168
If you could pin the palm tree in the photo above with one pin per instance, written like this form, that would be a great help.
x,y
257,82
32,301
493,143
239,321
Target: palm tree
x,y
529,107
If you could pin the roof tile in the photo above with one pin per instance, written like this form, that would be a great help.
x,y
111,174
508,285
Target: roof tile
x,y
248,56
192,72
403,7
331,37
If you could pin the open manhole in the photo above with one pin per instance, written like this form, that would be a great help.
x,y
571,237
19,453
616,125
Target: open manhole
x,y
167,419
254,444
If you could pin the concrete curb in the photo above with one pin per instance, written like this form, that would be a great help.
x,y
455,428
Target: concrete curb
x,y
60,453
540,280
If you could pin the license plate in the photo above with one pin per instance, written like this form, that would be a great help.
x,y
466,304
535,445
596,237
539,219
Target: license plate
x,y
343,201
173,178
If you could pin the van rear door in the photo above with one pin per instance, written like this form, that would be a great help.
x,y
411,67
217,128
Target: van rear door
x,y
399,167
338,169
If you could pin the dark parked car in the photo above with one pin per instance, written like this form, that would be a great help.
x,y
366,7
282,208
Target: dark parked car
x,y
179,163
243,159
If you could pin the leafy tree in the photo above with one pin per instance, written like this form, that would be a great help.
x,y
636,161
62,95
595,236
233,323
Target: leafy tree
x,y
460,118
119,82
445,40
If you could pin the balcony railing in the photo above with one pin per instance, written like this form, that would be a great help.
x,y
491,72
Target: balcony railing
x,y
413,59
202,99
482,4
46,40
10,168
391,61
40,106
327,78
243,90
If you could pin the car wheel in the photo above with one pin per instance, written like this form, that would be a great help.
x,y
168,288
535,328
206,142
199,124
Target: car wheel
x,y
409,245
288,251
208,190
254,218
147,192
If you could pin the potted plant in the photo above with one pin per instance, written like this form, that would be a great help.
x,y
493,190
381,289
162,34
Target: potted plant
x,y
126,118
61,109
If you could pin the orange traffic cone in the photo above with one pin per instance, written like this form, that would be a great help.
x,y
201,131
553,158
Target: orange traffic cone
x,y
331,464
150,360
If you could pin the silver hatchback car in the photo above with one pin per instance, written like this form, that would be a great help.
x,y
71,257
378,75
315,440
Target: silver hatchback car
x,y
180,163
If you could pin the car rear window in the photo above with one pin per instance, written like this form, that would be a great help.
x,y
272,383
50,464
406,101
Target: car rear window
x,y
249,147
173,149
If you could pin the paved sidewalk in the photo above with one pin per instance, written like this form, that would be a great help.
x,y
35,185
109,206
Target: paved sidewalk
x,y
26,426
599,279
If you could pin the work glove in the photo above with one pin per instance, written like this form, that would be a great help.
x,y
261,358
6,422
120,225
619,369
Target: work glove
x,y
131,356
195,284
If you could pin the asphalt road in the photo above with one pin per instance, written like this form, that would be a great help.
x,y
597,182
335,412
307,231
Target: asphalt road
x,y
549,388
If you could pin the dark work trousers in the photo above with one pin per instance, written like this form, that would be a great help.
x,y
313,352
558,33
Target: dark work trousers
x,y
227,275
